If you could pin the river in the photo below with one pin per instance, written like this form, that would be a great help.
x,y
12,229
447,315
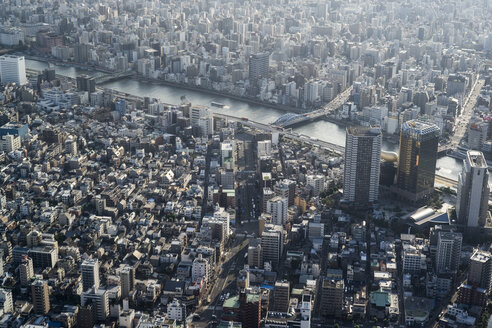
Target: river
x,y
323,130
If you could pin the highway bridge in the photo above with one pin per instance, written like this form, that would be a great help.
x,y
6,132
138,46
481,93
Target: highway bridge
x,y
291,119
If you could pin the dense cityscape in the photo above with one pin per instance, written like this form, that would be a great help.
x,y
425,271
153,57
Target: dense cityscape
x,y
120,209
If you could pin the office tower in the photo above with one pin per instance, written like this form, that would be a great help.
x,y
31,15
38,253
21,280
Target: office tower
x,y
90,274
259,65
99,300
40,296
281,297
272,243
332,297
448,252
362,164
417,160
480,271
26,271
317,183
277,207
127,280
6,302
255,253
13,69
287,189
473,191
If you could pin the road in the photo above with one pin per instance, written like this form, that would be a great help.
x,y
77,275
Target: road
x,y
225,282
461,124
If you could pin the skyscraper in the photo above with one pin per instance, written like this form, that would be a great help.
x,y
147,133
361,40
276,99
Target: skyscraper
x,y
13,69
259,65
90,274
40,296
473,191
362,164
417,159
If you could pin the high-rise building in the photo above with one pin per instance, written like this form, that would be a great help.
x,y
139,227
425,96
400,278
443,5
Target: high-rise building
x,y
90,274
99,300
255,253
202,119
13,69
86,83
448,252
473,191
277,207
362,164
40,296
127,280
272,243
417,160
480,273
332,297
259,66
281,296
26,271
250,309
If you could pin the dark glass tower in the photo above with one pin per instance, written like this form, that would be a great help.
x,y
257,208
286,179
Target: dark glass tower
x,y
417,160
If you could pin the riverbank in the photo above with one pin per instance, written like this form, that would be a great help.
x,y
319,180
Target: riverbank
x,y
249,100
212,92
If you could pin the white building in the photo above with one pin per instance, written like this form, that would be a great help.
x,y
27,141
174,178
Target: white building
x,y
202,118
6,303
13,69
176,311
277,207
10,143
11,36
200,269
473,191
264,148
317,183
